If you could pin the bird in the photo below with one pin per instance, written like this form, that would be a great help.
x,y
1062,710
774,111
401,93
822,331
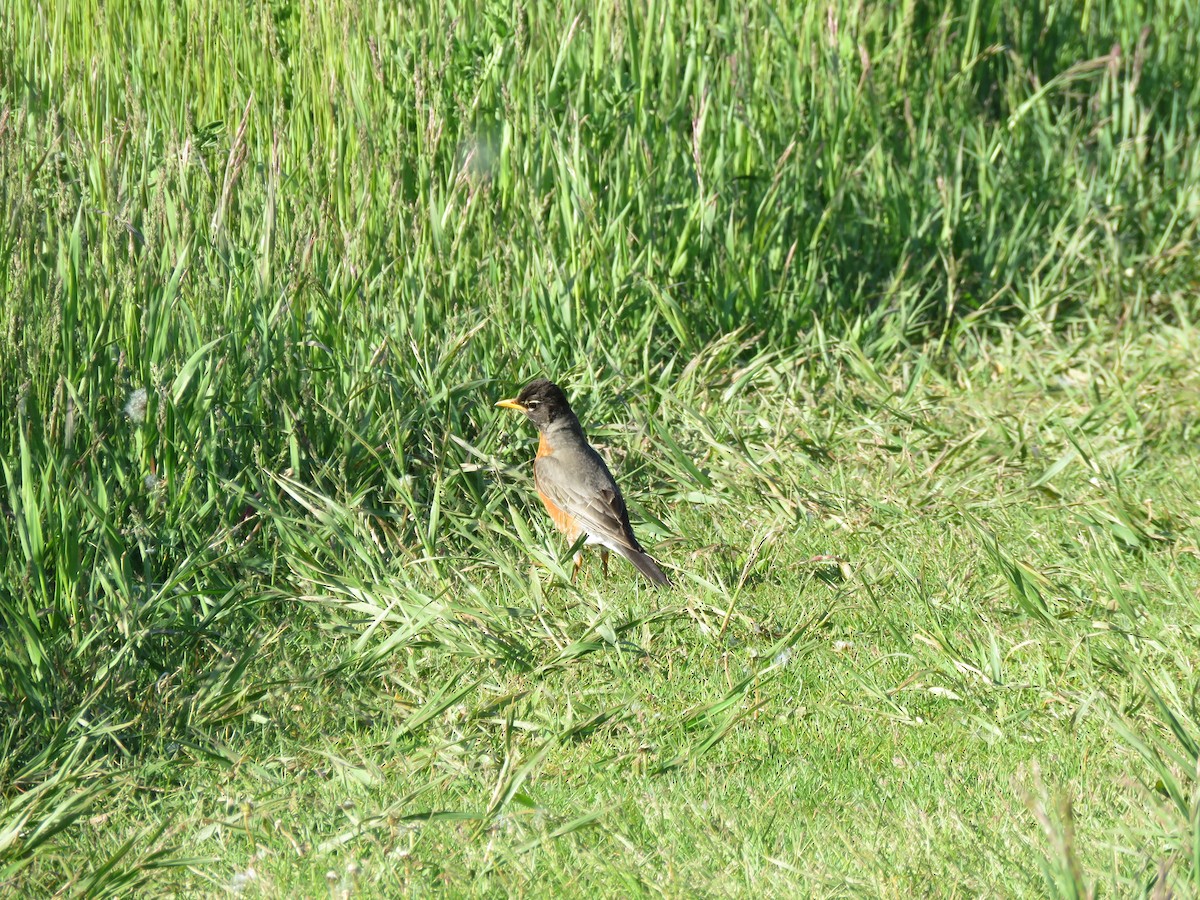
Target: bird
x,y
575,485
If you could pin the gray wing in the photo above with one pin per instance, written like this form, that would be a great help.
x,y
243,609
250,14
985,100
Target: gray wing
x,y
591,497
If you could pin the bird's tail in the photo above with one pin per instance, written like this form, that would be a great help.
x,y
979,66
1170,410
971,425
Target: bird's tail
x,y
645,564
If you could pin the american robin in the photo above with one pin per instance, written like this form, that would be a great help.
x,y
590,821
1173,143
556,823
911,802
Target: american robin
x,y
574,483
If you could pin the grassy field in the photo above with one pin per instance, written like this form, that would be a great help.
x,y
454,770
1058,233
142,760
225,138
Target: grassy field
x,y
885,316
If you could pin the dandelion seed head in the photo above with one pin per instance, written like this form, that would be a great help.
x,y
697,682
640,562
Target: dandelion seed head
x,y
135,406
241,880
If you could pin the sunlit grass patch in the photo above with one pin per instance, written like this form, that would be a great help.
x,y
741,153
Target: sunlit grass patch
x,y
882,317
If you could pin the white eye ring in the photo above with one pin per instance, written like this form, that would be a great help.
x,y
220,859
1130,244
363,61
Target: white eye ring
x,y
533,403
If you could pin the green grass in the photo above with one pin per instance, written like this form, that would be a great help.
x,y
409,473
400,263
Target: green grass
x,y
884,318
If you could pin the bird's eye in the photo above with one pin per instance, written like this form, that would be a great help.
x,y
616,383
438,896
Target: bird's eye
x,y
532,403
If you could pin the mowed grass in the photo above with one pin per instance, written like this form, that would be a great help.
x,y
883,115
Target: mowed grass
x,y
988,645
883,318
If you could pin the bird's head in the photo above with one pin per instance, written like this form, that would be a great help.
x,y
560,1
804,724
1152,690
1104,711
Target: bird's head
x,y
542,401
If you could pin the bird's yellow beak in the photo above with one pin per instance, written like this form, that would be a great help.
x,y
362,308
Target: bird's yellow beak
x,y
511,404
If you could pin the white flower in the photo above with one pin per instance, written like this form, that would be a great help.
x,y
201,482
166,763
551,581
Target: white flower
x,y
135,406
241,880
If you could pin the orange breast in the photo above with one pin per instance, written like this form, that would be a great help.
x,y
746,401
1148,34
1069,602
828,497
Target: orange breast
x,y
563,520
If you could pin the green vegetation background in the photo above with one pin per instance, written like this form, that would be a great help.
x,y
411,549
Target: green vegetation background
x,y
882,312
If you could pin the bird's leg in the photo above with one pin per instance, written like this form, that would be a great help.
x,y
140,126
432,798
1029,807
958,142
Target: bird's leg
x,y
604,561
577,567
